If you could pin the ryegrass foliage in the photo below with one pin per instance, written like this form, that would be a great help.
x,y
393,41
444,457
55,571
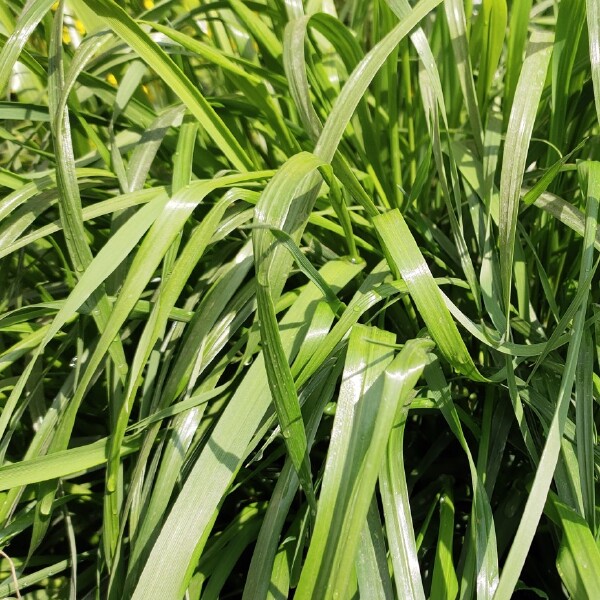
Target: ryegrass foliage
x,y
299,298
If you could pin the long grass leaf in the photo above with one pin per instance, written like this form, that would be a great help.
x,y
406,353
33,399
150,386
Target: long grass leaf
x,y
517,39
361,78
371,561
578,559
405,257
221,458
585,427
31,15
482,565
541,484
444,583
126,28
369,398
61,464
518,135
398,517
457,24
593,20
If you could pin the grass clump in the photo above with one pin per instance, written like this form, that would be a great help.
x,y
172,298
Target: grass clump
x,y
299,299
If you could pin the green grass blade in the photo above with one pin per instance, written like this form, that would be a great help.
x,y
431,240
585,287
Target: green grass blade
x,y
38,576
273,212
16,42
145,153
371,560
61,464
295,67
69,203
361,78
482,566
578,560
405,257
541,484
457,24
246,76
398,518
444,584
569,26
518,135
10,235
566,213
164,320
369,398
517,39
132,34
220,459
263,35
267,559
593,20
283,391
492,20
585,427
548,177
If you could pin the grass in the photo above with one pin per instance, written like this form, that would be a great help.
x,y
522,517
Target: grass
x,y
299,299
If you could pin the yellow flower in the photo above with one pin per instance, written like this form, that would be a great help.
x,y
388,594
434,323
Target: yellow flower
x,y
66,36
150,94
79,26
112,79
148,4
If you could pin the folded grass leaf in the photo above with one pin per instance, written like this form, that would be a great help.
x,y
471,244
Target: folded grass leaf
x,y
374,386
